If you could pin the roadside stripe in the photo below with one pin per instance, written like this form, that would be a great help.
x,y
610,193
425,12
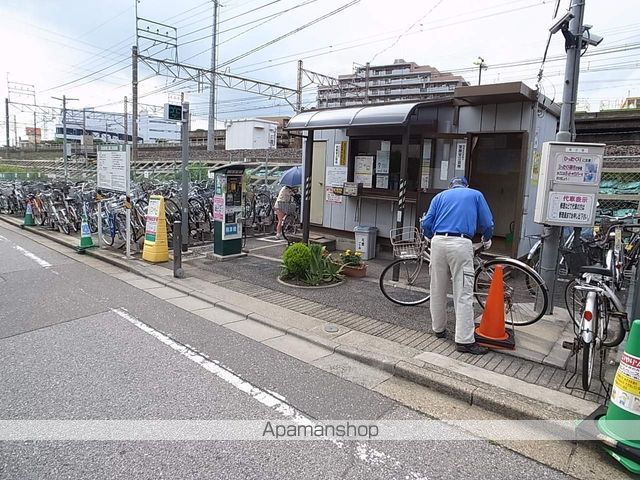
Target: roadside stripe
x,y
32,256
363,452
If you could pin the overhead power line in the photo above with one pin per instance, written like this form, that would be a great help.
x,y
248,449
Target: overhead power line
x,y
292,32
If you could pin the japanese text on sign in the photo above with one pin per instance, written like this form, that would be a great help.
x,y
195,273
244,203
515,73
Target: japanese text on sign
x,y
576,208
113,167
151,224
576,168
626,386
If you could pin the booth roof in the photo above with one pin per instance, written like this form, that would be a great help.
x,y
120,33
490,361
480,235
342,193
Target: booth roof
x,y
359,116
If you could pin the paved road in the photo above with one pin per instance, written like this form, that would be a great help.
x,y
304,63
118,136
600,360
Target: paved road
x,y
79,344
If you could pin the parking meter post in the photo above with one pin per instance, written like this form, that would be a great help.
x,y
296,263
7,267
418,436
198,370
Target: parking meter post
x,y
178,272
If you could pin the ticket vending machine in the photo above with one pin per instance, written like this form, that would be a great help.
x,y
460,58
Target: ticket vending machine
x,y
227,210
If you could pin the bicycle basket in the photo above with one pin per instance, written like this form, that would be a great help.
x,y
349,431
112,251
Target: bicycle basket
x,y
288,208
407,242
575,260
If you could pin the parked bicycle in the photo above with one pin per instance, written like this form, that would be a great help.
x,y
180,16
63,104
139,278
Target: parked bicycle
x,y
258,217
594,304
406,280
292,223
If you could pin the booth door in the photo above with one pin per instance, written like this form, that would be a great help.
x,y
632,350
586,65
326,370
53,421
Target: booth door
x,y
497,168
317,182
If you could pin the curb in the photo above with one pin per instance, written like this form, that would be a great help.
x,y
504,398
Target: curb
x,y
470,390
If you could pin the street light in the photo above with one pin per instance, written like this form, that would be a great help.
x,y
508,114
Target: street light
x,y
481,66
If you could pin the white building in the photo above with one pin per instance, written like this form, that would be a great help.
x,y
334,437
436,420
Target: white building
x,y
400,81
109,127
251,134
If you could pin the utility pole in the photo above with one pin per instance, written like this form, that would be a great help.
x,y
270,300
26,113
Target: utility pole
x,y
64,131
299,88
126,122
35,133
84,134
211,131
6,119
15,131
481,66
134,113
573,47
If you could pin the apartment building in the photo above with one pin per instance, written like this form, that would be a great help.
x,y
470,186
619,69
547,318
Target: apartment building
x,y
400,81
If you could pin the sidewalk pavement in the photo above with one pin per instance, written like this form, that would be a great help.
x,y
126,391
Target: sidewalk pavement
x,y
514,387
441,387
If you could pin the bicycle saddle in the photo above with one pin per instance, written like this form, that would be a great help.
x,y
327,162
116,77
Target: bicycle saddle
x,y
605,272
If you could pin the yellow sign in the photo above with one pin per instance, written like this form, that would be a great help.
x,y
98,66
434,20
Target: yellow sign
x,y
156,247
626,385
535,170
343,153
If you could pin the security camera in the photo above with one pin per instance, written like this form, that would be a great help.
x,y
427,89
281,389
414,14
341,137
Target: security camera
x,y
592,38
563,20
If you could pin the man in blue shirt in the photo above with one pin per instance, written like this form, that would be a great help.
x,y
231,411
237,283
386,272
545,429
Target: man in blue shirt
x,y
453,218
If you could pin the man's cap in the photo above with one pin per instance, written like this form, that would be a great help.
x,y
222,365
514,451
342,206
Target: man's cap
x,y
459,182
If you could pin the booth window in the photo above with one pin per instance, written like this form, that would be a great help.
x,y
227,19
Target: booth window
x,y
376,163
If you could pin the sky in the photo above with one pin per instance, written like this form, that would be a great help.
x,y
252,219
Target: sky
x,y
82,48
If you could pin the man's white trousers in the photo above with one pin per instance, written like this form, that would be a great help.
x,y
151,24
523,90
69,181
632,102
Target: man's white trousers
x,y
452,257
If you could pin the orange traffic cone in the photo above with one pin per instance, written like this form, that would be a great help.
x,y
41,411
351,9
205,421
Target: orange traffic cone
x,y
492,332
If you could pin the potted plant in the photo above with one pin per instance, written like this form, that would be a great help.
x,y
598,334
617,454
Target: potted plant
x,y
352,264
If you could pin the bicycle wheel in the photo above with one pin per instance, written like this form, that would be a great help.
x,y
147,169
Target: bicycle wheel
x,y
108,229
588,358
525,294
289,227
574,301
197,215
63,224
140,210
406,281
38,214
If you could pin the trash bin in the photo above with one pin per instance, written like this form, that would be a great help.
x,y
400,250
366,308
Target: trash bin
x,y
366,241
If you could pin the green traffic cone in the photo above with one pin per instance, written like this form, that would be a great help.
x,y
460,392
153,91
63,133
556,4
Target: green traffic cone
x,y
28,217
623,414
85,234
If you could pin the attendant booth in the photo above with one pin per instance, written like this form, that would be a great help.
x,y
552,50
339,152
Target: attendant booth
x,y
380,165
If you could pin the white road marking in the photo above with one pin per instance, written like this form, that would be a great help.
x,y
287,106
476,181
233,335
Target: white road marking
x,y
272,239
28,254
279,244
363,452
32,256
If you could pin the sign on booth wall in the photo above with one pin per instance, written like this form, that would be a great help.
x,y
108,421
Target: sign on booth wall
x,y
340,154
461,155
336,176
364,170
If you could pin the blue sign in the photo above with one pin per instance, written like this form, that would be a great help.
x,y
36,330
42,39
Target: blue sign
x,y
230,229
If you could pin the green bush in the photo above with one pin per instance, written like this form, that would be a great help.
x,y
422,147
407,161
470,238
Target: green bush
x,y
321,268
295,261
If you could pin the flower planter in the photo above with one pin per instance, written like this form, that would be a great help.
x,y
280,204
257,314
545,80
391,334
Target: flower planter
x,y
356,271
